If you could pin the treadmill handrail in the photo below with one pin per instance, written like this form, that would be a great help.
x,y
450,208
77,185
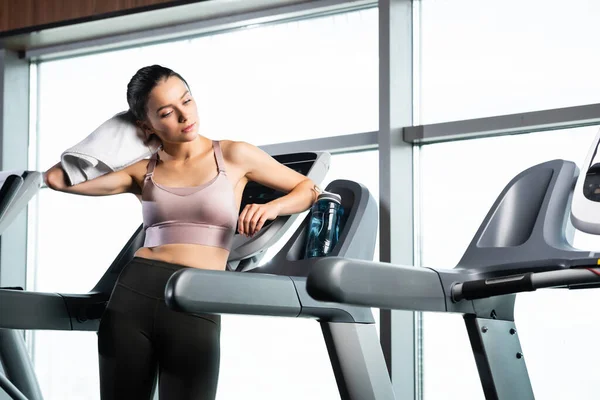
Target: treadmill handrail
x,y
385,285
376,284
193,290
8,192
31,181
219,292
526,282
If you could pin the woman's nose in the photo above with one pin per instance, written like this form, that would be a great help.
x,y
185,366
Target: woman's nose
x,y
183,117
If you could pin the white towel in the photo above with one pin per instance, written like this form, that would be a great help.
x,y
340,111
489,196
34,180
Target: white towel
x,y
113,146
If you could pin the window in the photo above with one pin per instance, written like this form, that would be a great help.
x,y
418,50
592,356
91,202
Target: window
x,y
284,82
484,58
460,181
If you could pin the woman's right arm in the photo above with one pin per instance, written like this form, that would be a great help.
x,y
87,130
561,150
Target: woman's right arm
x,y
128,180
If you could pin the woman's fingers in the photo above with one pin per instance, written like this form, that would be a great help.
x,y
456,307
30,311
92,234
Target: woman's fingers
x,y
241,220
245,221
261,222
253,218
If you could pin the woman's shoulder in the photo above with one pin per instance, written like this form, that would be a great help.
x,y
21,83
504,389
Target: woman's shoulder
x,y
228,145
236,151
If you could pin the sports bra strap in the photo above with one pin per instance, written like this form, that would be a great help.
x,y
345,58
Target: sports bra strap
x,y
219,156
151,165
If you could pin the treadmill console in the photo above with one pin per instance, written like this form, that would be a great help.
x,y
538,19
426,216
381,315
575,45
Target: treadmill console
x,y
591,184
585,206
246,253
16,189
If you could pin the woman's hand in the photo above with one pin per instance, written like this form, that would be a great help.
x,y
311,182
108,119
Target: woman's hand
x,y
254,216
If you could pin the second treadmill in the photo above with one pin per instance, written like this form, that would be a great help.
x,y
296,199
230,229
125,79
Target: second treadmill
x,y
520,246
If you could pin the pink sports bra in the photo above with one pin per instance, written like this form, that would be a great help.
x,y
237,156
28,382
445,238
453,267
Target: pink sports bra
x,y
205,214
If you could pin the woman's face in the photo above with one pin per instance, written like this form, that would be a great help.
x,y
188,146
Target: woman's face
x,y
172,112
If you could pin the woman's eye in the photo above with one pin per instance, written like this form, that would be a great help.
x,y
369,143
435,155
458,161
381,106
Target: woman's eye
x,y
187,101
166,115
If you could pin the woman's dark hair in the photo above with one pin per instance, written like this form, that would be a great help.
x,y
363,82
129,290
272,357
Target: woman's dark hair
x,y
142,83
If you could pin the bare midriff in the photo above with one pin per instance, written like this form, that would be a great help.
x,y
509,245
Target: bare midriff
x,y
190,255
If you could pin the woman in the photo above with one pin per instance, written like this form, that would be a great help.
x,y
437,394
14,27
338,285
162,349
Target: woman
x,y
191,192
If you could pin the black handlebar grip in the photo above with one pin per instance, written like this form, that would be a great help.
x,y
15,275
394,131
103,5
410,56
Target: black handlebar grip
x,y
497,286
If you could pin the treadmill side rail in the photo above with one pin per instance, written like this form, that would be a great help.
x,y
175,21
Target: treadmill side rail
x,y
32,310
330,312
374,284
218,292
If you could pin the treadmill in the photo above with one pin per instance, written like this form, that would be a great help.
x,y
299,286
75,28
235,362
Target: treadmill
x,y
523,244
277,288
17,376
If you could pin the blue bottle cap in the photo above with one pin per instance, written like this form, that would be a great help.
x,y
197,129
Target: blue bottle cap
x,y
330,196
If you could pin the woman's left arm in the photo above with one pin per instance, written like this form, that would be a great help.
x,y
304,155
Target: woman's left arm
x,y
264,169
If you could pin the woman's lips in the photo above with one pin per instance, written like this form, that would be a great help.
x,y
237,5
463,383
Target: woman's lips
x,y
188,128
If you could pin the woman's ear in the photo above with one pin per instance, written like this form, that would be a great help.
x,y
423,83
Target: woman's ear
x,y
145,127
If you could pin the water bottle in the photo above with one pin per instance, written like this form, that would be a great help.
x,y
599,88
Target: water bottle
x,y
324,226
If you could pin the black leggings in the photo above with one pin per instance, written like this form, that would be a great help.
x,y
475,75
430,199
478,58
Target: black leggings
x,y
140,337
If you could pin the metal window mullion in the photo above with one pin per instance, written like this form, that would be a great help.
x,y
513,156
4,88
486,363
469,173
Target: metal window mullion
x,y
396,182
14,136
417,193
501,125
334,144
34,205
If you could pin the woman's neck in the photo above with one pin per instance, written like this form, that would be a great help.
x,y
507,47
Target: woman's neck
x,y
184,151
